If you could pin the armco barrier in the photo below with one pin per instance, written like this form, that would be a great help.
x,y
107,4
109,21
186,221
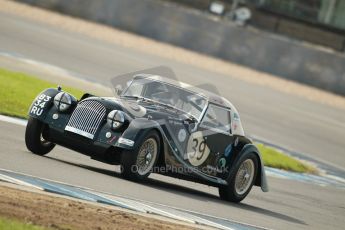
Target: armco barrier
x,y
198,31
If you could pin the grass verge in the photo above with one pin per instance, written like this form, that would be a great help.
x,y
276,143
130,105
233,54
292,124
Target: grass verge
x,y
18,91
8,224
276,159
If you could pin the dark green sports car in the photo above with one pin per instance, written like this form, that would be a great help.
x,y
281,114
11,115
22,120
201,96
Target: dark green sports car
x,y
154,125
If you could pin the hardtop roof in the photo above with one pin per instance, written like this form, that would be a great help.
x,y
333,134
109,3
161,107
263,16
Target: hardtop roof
x,y
211,97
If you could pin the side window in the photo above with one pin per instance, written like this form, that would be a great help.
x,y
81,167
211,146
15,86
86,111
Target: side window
x,y
217,118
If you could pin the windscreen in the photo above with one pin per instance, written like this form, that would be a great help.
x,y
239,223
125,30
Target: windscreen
x,y
165,93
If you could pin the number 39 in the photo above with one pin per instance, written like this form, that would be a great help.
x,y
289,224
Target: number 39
x,y
199,148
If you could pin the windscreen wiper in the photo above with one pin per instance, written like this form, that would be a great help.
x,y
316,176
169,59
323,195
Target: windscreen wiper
x,y
140,98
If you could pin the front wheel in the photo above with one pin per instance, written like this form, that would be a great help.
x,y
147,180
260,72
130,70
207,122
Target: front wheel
x,y
138,163
34,139
242,181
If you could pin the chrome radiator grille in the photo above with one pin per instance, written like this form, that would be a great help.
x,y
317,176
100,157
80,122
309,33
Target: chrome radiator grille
x,y
86,118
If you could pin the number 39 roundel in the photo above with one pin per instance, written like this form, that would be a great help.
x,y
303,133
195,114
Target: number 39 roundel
x,y
197,150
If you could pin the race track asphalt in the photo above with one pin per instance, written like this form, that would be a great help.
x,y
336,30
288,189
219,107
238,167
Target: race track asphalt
x,y
294,122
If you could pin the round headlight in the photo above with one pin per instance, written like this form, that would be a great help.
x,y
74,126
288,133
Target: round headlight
x,y
62,101
115,119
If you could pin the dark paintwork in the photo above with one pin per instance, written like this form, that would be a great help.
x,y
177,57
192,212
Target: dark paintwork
x,y
166,121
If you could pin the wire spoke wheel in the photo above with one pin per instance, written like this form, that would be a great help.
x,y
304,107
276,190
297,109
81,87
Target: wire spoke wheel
x,y
137,164
146,156
244,176
242,180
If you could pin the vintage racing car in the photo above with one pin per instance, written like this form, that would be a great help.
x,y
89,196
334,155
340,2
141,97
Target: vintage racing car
x,y
154,125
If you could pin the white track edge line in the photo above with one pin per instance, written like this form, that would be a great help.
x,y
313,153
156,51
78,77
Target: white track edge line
x,y
18,182
140,200
13,120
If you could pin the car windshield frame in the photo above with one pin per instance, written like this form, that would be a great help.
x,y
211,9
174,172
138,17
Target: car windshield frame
x,y
140,97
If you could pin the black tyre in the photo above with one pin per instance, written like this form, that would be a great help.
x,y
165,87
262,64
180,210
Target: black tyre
x,y
34,139
242,181
138,163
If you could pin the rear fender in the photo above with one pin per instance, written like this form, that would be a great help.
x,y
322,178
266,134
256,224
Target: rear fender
x,y
261,179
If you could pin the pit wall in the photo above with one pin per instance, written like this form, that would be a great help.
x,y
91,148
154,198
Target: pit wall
x,y
203,33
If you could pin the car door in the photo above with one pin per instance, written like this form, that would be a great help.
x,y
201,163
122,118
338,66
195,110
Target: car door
x,y
207,145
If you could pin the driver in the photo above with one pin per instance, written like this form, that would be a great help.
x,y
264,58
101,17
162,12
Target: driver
x,y
169,95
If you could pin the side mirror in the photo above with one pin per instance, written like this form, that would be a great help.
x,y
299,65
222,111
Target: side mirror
x,y
118,90
191,125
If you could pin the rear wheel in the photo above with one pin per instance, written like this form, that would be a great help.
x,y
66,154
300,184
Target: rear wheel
x,y
242,181
34,139
138,163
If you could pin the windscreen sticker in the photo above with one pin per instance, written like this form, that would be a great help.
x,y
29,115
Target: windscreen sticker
x,y
236,117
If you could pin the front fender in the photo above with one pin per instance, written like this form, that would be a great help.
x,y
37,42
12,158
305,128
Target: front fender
x,y
247,149
136,131
42,103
